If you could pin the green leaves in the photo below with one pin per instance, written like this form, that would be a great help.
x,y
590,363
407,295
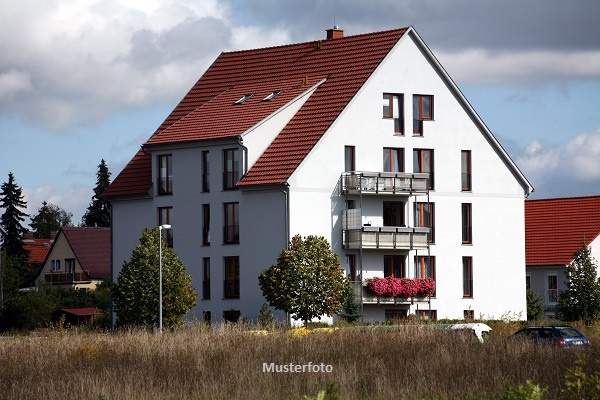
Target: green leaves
x,y
581,300
136,292
307,280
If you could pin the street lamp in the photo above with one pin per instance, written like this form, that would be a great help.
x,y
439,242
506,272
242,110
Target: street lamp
x,y
160,318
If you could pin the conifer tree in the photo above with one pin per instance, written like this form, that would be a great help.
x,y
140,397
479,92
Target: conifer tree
x,y
98,213
50,218
581,299
12,203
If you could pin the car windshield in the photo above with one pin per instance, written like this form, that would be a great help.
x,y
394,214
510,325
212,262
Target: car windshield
x,y
569,332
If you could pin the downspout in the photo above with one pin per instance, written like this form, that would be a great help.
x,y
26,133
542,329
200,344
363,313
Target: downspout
x,y
286,192
113,321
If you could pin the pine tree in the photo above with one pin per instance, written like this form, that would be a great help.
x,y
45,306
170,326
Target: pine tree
x,y
581,299
50,218
97,213
12,202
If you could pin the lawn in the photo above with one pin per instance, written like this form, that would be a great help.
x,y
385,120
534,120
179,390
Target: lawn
x,y
403,362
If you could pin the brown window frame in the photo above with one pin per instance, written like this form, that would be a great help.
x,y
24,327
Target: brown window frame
x,y
419,154
167,187
399,154
420,216
231,223
465,177
426,315
388,205
205,171
467,223
418,114
231,287
421,268
467,262
231,178
169,232
397,268
206,278
352,272
398,122
205,224
350,151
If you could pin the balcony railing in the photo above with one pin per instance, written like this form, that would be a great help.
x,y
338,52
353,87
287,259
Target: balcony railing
x,y
384,183
361,291
385,237
65,277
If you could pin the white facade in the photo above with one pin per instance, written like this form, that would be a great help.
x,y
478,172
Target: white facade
x,y
313,205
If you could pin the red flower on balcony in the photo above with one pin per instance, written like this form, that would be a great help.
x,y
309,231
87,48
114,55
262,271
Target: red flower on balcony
x,y
404,288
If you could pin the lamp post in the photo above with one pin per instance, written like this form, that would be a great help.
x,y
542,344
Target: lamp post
x,y
160,317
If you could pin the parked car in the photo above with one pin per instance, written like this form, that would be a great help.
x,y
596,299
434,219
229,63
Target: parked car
x,y
478,329
562,336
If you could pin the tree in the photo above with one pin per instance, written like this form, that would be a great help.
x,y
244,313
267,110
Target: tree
x,y
50,218
307,280
98,213
350,309
136,291
11,200
581,299
535,305
266,319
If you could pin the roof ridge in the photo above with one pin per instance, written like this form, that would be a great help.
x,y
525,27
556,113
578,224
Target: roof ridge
x,y
310,42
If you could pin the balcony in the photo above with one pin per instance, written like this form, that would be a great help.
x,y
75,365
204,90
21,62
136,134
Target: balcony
x,y
385,238
360,291
384,183
58,278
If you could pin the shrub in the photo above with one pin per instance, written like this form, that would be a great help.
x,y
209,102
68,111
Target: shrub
x,y
526,391
29,310
535,306
350,311
583,380
265,317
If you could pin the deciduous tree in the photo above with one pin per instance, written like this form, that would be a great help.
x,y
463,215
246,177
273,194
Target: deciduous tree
x,y
581,299
50,218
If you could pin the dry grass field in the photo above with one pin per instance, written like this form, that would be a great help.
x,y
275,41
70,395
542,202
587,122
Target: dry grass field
x,y
404,362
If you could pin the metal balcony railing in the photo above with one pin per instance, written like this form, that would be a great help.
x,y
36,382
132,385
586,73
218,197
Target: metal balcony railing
x,y
385,237
65,277
384,183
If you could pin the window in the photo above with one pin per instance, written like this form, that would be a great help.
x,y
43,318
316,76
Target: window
x,y
231,315
393,159
206,278
427,315
206,317
165,174
350,204
469,315
164,217
527,282
395,314
351,258
425,267
552,289
394,266
465,170
423,163
393,108
231,168
272,95
393,213
467,276
243,99
231,283
206,224
205,172
422,111
466,224
55,265
231,230
425,218
349,159
70,265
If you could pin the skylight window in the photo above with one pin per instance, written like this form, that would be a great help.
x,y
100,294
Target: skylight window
x,y
273,95
243,99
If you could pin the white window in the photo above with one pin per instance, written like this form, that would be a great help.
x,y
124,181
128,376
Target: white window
x,y
243,99
55,265
273,95
552,289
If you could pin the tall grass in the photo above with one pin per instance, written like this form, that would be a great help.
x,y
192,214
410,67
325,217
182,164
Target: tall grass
x,y
405,362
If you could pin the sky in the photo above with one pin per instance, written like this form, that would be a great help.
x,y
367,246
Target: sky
x,y
82,80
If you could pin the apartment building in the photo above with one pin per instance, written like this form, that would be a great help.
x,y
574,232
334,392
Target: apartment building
x,y
362,139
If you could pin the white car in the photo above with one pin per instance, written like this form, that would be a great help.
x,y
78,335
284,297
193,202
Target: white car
x,y
479,329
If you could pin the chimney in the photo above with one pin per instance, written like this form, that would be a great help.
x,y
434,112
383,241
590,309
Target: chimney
x,y
335,33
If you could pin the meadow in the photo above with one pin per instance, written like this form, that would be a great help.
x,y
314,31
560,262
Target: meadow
x,y
226,362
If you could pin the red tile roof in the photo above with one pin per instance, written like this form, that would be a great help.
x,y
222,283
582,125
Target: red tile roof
x,y
556,228
91,246
346,63
37,250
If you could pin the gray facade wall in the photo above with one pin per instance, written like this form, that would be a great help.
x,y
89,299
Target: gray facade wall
x,y
538,281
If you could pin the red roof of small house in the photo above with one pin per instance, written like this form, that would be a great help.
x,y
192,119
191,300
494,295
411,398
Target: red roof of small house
x,y
37,250
82,311
346,63
91,247
556,228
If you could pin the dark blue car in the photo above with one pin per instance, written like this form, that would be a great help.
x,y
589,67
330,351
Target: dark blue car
x,y
561,336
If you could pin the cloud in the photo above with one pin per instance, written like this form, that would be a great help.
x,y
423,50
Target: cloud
x,y
565,169
73,63
74,199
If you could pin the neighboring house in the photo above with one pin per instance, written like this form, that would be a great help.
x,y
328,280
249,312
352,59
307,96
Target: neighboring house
x,y
79,258
555,230
364,140
37,250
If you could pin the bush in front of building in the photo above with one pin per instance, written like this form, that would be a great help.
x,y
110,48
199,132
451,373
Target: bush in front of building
x,y
535,306
136,293
581,299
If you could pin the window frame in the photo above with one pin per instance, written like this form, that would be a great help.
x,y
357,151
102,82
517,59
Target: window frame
x,y
168,190
399,125
350,151
230,183
206,224
73,264
205,278
397,268
548,289
467,267
352,271
394,153
205,171
169,232
419,215
235,217
420,107
273,95
231,292
418,118
466,225
468,187
388,205
418,154
390,100
243,99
